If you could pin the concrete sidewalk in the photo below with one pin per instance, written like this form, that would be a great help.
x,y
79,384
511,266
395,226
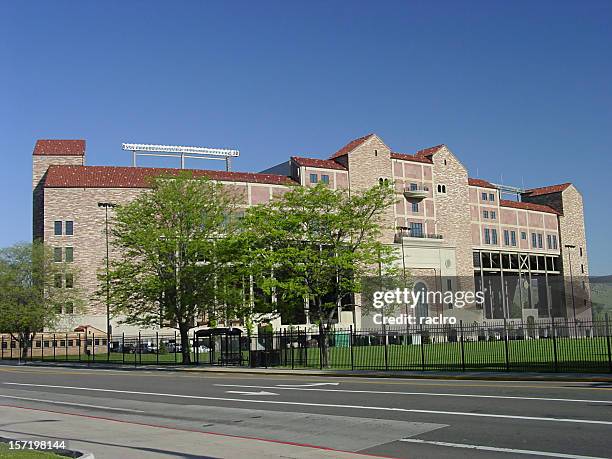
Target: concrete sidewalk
x,y
110,439
468,375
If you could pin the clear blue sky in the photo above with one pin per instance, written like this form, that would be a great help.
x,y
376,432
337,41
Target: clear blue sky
x,y
514,88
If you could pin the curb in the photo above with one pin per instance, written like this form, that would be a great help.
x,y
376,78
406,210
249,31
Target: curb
x,y
558,377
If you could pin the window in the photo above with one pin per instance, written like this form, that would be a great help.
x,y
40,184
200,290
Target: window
x,y
58,281
491,197
58,308
383,181
513,238
487,236
416,229
375,152
314,178
69,228
493,215
523,235
413,187
325,178
485,214
506,237
57,254
69,280
415,207
549,241
554,241
534,240
69,254
57,227
580,250
484,196
582,269
494,236
441,188
69,309
540,241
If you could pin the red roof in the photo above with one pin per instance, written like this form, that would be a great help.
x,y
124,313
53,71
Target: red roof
x,y
350,146
547,189
480,183
406,157
60,176
60,147
428,152
527,206
313,162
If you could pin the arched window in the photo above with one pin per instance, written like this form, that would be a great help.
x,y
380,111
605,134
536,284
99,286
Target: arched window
x,y
443,188
439,188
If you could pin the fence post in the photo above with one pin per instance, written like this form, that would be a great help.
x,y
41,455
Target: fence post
x,y
123,348
608,343
65,342
506,344
2,347
462,350
93,346
157,345
54,342
422,347
351,346
554,333
386,337
175,346
139,351
320,349
78,341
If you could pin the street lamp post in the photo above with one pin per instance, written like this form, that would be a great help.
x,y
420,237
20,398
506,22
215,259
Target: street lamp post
x,y
569,254
106,206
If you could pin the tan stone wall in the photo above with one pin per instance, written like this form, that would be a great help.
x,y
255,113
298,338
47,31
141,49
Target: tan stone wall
x,y
453,212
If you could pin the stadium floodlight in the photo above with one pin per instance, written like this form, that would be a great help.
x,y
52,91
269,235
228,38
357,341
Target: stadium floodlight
x,y
177,151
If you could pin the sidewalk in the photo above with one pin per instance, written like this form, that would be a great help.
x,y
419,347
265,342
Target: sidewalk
x,y
110,439
468,375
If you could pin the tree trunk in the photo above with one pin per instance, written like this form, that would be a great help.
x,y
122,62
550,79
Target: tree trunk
x,y
185,348
324,344
25,341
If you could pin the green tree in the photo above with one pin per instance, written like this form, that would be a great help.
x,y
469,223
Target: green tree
x,y
32,292
174,263
313,246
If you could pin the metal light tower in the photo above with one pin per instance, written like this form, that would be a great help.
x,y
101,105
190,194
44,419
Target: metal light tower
x,y
106,206
182,152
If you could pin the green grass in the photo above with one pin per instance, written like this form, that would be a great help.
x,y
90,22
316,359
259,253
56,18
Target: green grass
x,y
7,453
582,354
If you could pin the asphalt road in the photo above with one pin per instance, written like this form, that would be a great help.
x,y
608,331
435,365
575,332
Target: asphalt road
x,y
398,418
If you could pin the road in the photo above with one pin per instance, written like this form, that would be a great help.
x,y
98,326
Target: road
x,y
149,413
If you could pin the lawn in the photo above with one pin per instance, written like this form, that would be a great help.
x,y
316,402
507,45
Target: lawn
x,y
6,452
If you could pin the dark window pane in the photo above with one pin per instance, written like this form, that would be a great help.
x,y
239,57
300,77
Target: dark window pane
x,y
57,228
69,228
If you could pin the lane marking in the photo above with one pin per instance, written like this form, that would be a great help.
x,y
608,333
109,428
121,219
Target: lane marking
x,y
80,405
308,385
323,405
433,394
544,385
261,392
499,450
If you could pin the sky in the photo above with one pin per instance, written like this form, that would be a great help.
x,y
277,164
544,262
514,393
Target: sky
x,y
519,91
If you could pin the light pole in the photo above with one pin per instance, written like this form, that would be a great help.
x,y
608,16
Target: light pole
x,y
569,254
106,206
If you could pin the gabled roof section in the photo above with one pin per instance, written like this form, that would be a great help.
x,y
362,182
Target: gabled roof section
x,y
62,176
414,158
429,152
481,183
48,147
527,206
320,163
547,189
345,150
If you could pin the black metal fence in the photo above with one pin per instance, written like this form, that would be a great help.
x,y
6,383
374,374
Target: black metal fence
x,y
551,346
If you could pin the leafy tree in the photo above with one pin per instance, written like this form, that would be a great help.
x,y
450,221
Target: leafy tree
x,y
174,263
313,245
30,299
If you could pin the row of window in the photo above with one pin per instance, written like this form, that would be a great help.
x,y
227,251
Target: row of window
x,y
488,197
65,228
489,214
537,239
63,254
58,343
64,280
314,178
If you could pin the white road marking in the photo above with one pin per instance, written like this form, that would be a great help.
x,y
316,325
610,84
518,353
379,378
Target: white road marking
x,y
432,394
309,385
323,405
499,450
82,405
261,392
